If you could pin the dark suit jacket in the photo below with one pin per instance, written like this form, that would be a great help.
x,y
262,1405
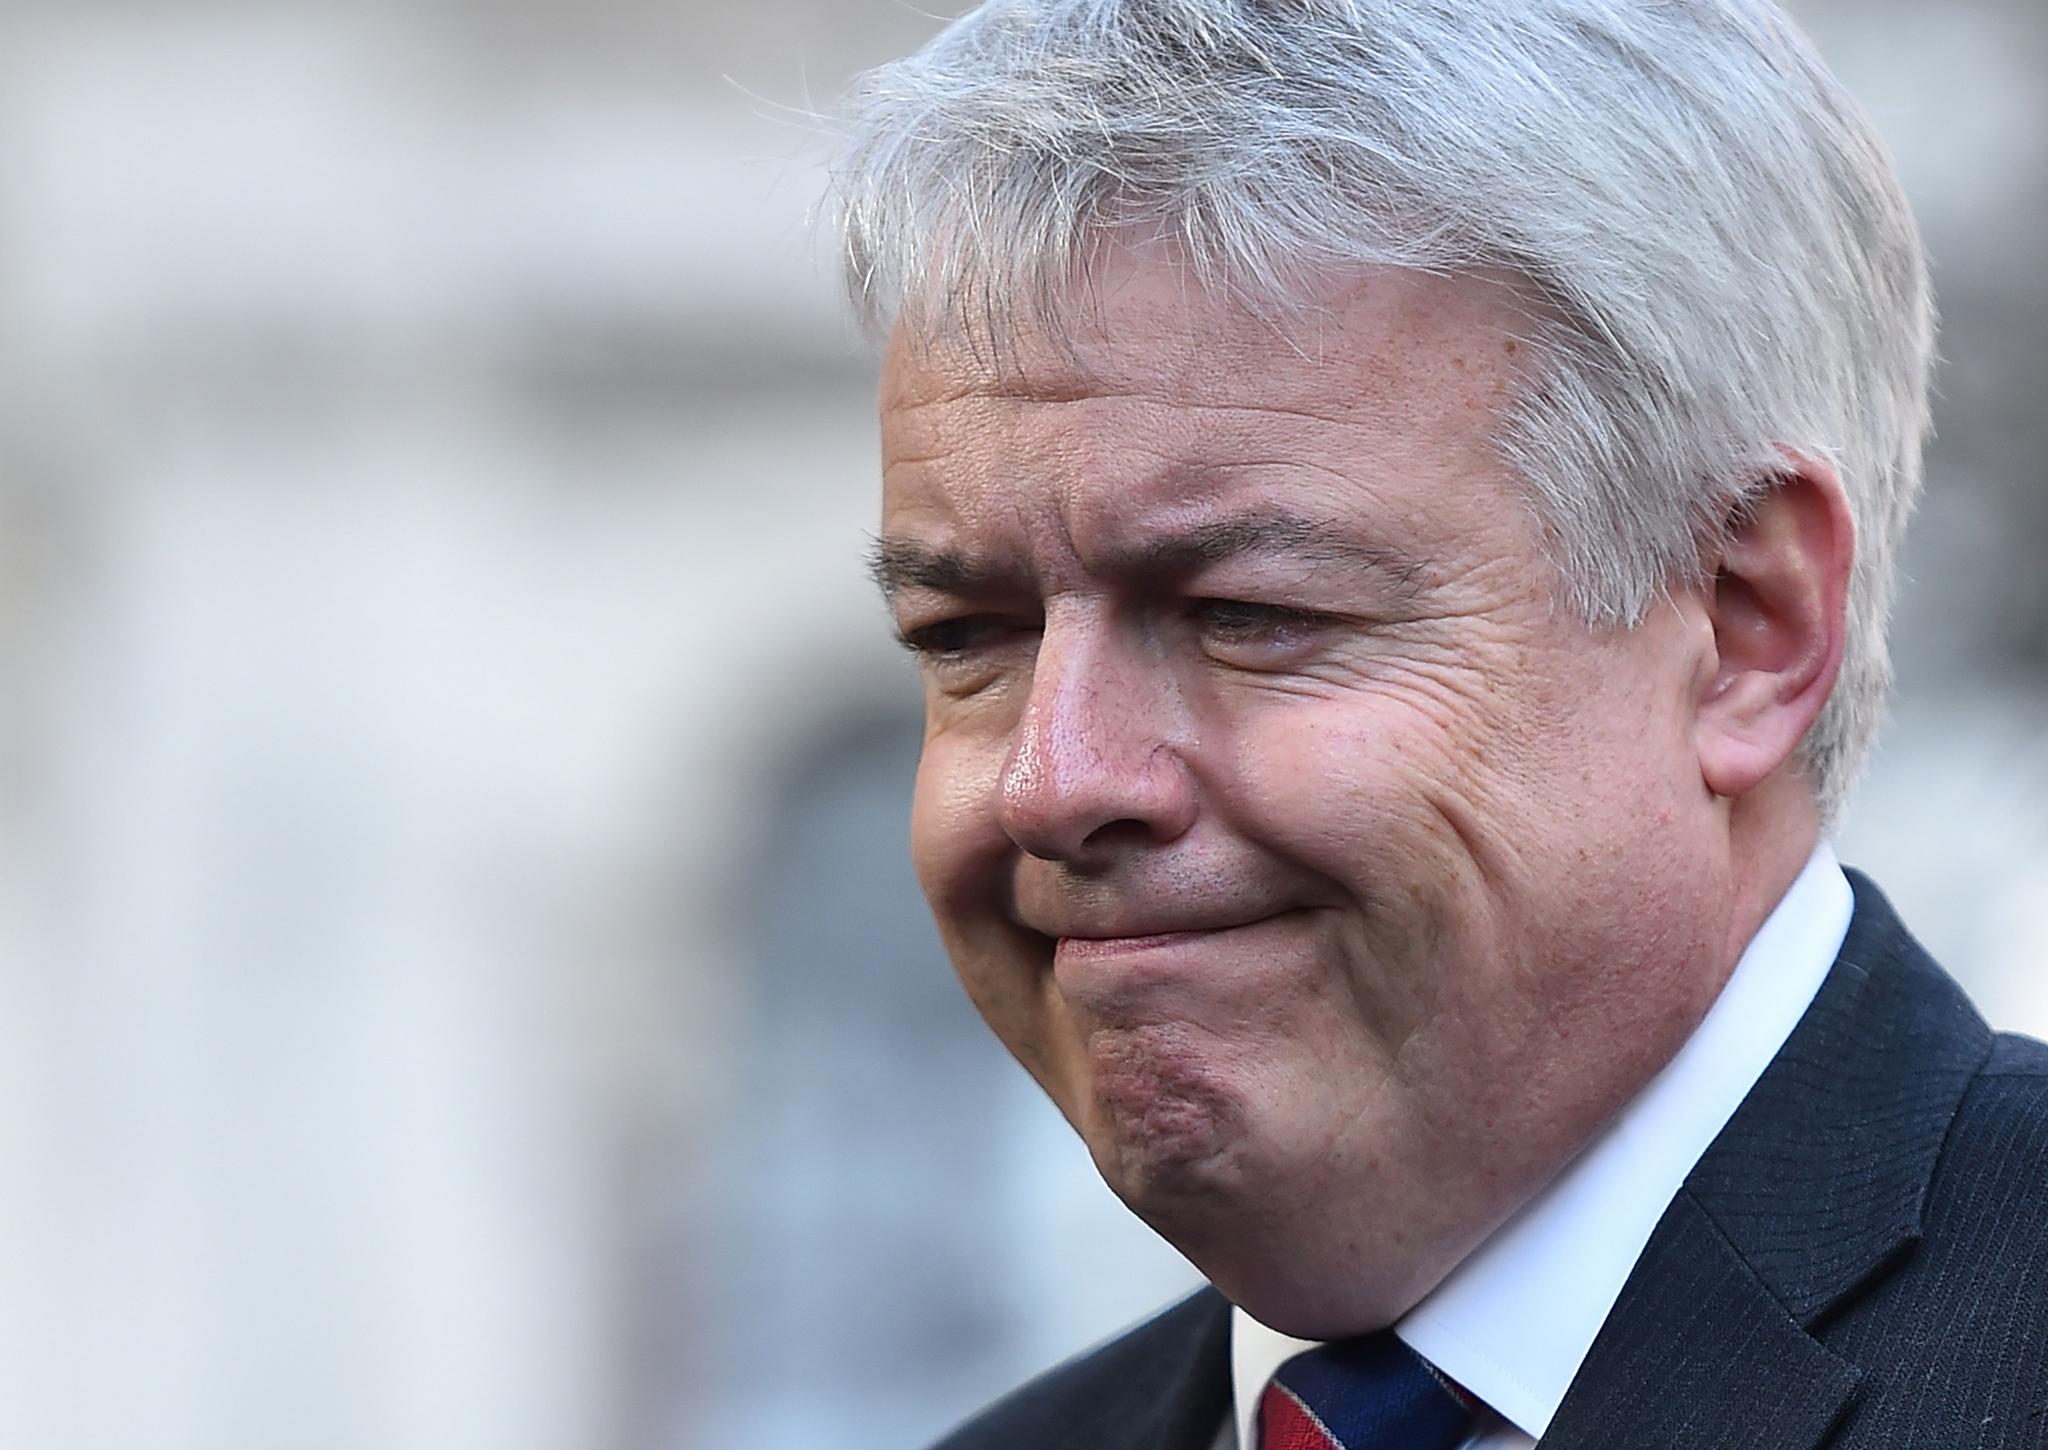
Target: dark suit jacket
x,y
1860,1259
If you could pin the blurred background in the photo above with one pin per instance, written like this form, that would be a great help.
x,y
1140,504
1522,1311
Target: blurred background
x,y
460,982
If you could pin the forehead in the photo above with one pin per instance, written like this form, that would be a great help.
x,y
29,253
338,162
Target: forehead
x,y
1153,394
1138,324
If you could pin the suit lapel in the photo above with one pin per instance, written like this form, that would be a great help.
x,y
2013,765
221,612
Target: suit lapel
x,y
1186,1390
1813,1188
1699,1354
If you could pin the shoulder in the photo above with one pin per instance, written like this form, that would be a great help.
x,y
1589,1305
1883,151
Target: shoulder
x,y
2014,1056
1172,1370
1906,1144
1992,1178
1954,1340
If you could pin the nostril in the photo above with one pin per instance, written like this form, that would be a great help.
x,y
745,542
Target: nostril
x,y
1129,831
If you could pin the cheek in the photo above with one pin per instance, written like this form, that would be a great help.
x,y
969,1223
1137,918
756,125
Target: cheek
x,y
956,843
1375,803
1470,843
963,862
1372,791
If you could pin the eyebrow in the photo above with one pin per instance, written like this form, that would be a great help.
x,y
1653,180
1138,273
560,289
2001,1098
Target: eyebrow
x,y
899,564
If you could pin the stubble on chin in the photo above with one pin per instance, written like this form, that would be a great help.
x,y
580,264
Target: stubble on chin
x,y
1163,1130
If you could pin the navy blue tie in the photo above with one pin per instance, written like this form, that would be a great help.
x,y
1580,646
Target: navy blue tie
x,y
1373,1393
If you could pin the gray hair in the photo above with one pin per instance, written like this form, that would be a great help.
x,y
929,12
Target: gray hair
x,y
1718,256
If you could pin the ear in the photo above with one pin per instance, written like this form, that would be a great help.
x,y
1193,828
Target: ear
x,y
1777,604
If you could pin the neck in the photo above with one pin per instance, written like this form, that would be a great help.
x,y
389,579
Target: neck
x,y
1772,831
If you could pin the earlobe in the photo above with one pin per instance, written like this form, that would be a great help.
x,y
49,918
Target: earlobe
x,y
1778,607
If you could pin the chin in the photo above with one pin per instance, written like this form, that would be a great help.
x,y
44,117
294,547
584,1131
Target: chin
x,y
1193,1172
1306,1307
1166,1133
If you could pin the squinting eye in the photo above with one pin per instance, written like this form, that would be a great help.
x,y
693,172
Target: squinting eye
x,y
1242,632
1235,616
970,653
951,638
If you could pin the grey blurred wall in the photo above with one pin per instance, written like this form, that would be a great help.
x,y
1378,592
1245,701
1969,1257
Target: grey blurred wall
x,y
460,985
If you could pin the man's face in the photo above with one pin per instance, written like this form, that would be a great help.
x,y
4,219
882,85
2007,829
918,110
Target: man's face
x,y
1331,878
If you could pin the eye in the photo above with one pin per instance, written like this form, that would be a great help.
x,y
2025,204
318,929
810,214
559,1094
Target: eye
x,y
1240,632
954,638
968,653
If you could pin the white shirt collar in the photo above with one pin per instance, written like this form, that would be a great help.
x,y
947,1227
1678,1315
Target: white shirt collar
x,y
1514,1321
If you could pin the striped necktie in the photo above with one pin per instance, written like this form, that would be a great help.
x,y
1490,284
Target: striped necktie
x,y
1373,1393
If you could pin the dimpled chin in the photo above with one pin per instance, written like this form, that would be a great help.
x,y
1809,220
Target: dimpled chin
x,y
1162,1126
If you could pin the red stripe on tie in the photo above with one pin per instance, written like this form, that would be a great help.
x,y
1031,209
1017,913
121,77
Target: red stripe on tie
x,y
1285,1423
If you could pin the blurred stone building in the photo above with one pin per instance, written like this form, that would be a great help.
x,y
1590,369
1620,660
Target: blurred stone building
x,y
460,983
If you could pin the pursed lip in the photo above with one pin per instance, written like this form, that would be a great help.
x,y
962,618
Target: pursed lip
x,y
1168,975
1110,946
1096,945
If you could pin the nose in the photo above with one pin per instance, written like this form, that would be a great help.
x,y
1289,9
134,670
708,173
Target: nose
x,y
1096,760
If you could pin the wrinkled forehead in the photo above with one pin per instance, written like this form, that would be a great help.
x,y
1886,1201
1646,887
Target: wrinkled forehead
x,y
1137,323
1163,409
